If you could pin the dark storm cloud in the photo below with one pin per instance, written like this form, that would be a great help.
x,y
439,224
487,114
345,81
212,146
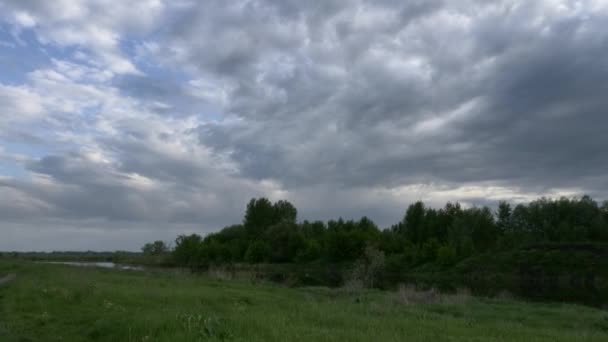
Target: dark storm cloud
x,y
538,90
79,187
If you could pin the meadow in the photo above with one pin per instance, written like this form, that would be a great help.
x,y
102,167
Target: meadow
x,y
47,302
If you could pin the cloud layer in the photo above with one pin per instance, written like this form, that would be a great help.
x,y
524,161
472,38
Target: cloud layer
x,y
121,124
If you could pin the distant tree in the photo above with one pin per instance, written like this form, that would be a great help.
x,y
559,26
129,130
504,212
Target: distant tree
x,y
260,215
257,252
428,251
413,222
367,225
155,248
285,212
188,251
444,236
598,231
503,216
484,232
369,267
604,210
446,255
310,251
346,242
284,241
520,220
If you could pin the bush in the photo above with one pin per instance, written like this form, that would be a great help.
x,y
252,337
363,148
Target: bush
x,y
368,269
446,256
257,252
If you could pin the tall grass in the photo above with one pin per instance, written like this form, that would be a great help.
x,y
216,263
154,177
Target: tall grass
x,y
63,303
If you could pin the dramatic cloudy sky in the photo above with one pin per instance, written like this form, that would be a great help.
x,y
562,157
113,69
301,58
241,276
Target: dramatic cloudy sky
x,y
123,122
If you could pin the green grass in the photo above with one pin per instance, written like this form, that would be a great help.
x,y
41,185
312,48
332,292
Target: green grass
x,y
62,303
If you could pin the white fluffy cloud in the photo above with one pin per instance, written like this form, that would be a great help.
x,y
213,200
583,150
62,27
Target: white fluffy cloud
x,y
98,26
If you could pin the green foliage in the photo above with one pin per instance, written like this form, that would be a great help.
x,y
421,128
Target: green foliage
x,y
155,248
420,237
310,251
426,238
446,255
260,214
285,212
188,251
368,269
503,216
258,251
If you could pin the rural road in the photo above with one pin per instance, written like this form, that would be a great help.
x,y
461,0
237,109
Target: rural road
x,y
7,279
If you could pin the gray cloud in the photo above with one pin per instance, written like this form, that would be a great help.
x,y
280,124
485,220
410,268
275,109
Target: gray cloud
x,y
537,92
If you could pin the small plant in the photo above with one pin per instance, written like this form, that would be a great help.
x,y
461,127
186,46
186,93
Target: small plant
x,y
367,270
410,295
44,318
205,327
215,328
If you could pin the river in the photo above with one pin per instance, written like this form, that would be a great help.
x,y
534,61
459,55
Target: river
x,y
102,264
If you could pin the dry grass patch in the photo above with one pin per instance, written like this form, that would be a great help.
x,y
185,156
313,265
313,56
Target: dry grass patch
x,y
408,294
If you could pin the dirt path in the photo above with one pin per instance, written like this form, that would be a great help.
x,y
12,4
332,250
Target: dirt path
x,y
7,279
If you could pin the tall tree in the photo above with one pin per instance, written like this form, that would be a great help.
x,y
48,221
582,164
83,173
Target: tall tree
x,y
285,212
413,222
503,215
260,215
188,250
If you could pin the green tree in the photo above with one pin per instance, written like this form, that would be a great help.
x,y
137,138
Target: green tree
x,y
284,241
155,248
285,212
260,215
368,269
310,251
446,255
503,216
413,222
188,251
257,252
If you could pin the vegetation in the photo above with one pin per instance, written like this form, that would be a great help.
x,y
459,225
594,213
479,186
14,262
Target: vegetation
x,y
61,303
451,246
155,248
270,233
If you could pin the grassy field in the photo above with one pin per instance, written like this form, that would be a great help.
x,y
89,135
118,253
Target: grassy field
x,y
63,303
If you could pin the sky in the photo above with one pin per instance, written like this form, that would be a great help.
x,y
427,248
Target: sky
x,y
123,122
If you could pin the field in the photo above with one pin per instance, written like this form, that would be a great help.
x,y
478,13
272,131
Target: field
x,y
62,303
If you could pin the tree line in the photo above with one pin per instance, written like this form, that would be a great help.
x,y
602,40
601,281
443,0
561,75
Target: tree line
x,y
270,233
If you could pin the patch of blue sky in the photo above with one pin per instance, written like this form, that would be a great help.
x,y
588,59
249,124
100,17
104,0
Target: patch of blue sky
x,y
22,52
12,169
34,139
31,150
178,99
17,57
89,114
33,143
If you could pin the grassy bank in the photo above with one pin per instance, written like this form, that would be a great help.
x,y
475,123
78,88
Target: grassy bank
x,y
62,303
